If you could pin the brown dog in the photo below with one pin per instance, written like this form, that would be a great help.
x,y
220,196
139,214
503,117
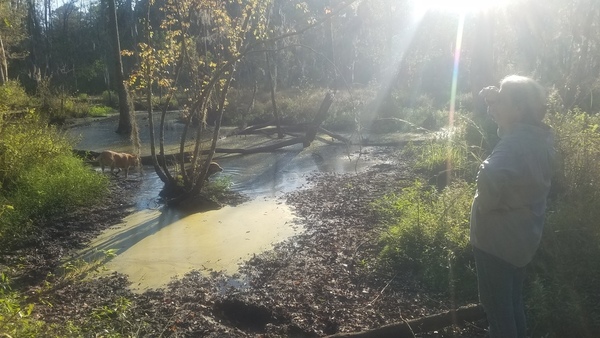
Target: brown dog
x,y
118,160
213,168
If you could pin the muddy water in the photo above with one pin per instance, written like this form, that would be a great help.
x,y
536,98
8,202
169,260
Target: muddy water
x,y
156,244
98,134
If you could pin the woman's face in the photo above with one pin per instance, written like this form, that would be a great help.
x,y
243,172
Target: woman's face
x,y
503,111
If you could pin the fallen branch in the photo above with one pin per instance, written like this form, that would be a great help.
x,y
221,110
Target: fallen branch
x,y
383,290
90,156
335,136
408,328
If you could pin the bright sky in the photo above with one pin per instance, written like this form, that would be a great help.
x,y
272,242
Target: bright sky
x,y
460,6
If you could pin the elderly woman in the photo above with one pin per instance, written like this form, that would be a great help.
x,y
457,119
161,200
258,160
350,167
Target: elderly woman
x,y
507,216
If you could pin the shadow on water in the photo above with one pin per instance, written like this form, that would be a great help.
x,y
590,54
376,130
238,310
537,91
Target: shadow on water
x,y
141,225
152,246
155,244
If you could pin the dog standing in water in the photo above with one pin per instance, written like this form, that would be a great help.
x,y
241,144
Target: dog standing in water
x,y
117,160
213,168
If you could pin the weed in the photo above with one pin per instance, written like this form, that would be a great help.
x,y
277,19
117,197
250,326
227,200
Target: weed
x,y
565,272
428,231
216,189
428,228
13,96
39,176
16,317
55,186
100,111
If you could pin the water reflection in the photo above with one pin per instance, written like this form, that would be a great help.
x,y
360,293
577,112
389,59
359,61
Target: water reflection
x,y
155,244
286,170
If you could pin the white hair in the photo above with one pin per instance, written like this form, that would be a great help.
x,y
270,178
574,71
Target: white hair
x,y
528,95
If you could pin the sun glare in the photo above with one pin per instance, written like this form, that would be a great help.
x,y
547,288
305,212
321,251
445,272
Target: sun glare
x,y
460,6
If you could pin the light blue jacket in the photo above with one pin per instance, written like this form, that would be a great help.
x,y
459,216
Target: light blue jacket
x,y
507,216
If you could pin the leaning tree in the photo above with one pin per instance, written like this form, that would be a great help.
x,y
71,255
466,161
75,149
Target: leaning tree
x,y
204,40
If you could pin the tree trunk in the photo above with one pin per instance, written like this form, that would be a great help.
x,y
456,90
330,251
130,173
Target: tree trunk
x,y
35,32
124,116
3,64
272,69
200,177
482,63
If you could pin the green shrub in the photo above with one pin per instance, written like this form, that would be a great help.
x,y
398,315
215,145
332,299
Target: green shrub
x,y
437,159
356,105
39,176
348,109
27,143
293,105
454,153
15,317
110,98
158,102
13,96
428,231
100,111
18,317
15,227
565,271
83,97
57,185
218,188
57,104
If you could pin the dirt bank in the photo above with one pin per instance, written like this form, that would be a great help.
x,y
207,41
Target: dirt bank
x,y
321,282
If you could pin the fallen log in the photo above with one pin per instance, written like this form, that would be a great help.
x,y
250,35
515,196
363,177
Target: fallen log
x,y
409,328
335,136
147,160
90,156
252,128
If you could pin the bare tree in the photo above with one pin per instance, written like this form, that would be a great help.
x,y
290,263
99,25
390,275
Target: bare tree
x,y
3,64
124,114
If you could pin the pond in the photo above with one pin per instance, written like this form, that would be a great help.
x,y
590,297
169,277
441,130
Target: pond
x,y
155,244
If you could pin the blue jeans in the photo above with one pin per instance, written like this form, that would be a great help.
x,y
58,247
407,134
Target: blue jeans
x,y
501,294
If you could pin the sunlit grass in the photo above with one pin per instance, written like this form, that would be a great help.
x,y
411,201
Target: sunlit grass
x,y
429,234
427,230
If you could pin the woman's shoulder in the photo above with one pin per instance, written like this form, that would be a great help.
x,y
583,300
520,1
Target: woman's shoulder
x,y
526,138
530,134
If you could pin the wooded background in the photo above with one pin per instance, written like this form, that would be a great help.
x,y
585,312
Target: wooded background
x,y
66,44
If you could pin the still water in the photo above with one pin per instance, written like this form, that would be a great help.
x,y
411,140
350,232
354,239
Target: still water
x,y
155,244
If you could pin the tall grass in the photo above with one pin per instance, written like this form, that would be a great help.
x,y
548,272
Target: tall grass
x,y
357,108
428,231
39,177
55,186
564,298
13,97
452,154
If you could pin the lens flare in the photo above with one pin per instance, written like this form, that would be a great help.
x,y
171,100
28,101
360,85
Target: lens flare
x,y
461,6
458,47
